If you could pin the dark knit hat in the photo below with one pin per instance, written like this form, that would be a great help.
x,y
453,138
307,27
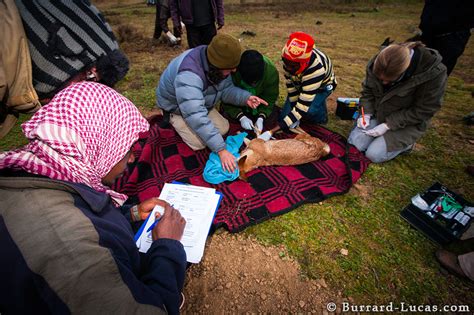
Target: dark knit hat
x,y
224,51
251,66
112,67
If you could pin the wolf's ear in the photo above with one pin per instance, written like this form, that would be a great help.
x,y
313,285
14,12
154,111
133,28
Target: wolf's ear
x,y
242,172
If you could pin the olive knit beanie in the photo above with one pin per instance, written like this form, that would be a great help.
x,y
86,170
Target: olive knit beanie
x,y
224,51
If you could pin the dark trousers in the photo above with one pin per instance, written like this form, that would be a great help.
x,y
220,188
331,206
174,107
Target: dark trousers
x,y
450,46
317,112
158,29
201,35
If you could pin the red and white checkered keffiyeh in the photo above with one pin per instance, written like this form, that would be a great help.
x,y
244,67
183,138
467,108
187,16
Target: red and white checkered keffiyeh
x,y
84,131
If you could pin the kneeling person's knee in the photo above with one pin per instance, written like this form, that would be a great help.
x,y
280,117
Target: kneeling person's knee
x,y
376,156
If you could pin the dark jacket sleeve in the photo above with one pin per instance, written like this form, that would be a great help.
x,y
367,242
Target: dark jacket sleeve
x,y
220,12
165,267
125,209
164,15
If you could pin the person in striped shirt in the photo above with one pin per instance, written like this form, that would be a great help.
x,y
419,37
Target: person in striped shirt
x,y
310,80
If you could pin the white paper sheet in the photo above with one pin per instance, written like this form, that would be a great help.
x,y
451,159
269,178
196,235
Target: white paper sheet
x,y
197,205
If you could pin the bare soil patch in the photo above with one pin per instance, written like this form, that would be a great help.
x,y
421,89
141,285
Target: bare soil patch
x,y
239,275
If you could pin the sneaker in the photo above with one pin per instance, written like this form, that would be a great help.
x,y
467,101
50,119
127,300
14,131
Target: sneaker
x,y
450,262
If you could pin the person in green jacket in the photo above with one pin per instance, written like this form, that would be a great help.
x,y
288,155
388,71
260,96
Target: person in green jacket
x,y
403,89
258,75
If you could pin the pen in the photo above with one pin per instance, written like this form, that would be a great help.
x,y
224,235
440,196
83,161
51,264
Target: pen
x,y
156,222
363,115
153,225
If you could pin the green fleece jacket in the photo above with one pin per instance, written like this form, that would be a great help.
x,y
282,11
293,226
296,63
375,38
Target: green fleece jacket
x,y
267,88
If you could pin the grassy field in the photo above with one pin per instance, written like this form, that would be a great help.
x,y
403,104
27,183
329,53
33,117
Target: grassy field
x,y
387,260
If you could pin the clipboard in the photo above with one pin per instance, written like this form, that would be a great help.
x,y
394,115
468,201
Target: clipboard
x,y
198,215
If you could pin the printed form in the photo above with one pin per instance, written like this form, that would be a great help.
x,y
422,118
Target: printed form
x,y
198,206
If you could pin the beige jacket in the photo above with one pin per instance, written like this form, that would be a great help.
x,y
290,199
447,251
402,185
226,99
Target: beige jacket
x,y
17,94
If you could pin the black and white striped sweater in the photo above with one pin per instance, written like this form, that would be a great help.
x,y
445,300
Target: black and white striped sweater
x,y
302,88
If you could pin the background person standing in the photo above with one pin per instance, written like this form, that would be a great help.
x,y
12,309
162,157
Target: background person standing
x,y
200,18
446,27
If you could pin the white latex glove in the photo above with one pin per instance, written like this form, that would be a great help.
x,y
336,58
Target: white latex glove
x,y
360,121
173,40
295,124
246,123
259,123
265,136
377,130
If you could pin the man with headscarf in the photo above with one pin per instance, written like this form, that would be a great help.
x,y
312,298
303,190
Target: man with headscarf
x,y
67,244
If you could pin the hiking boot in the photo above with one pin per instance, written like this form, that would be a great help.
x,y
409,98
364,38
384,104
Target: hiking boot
x,y
450,262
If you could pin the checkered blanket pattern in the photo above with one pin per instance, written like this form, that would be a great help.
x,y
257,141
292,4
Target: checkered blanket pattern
x,y
269,191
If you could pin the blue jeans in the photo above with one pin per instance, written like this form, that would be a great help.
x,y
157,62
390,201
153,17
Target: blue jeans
x,y
375,148
317,112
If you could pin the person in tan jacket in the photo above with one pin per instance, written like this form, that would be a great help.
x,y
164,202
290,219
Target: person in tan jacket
x,y
403,89
17,94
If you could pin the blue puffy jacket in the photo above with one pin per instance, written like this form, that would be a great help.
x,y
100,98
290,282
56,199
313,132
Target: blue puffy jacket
x,y
184,89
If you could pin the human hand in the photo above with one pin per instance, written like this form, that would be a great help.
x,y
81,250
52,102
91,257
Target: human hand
x,y
219,26
295,124
170,226
246,123
146,206
363,121
227,160
253,101
377,130
265,136
259,124
173,40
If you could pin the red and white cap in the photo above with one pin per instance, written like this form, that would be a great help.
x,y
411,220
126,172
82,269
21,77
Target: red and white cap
x,y
298,47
